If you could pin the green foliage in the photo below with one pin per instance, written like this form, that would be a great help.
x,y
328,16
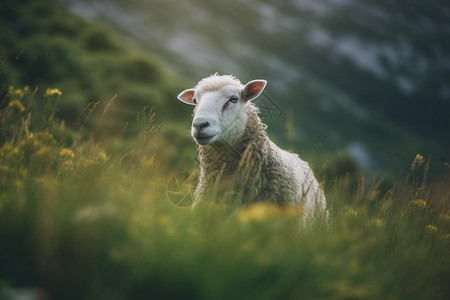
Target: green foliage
x,y
43,45
92,219
96,40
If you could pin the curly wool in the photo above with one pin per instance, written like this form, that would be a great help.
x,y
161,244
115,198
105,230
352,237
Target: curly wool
x,y
254,169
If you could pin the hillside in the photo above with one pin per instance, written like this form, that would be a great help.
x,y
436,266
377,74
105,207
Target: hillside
x,y
368,78
43,46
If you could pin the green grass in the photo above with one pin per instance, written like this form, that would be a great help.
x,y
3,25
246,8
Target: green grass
x,y
84,216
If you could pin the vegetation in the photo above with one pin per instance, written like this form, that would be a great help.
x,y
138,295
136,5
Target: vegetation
x,y
382,88
43,45
85,221
88,212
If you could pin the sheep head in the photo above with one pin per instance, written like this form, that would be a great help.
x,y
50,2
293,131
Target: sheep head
x,y
220,107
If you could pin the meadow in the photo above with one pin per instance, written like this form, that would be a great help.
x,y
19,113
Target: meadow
x,y
89,218
96,188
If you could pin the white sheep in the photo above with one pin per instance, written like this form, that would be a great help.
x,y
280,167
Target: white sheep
x,y
237,157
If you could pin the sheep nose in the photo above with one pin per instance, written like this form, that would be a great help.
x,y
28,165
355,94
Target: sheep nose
x,y
200,124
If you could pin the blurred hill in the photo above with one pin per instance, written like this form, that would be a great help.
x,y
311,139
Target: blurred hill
x,y
43,45
365,77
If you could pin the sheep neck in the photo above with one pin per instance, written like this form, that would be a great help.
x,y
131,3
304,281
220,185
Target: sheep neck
x,y
226,158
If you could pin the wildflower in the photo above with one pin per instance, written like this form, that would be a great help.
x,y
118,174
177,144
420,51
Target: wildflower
x,y
16,105
102,157
378,223
45,137
19,93
66,154
258,212
417,162
419,203
4,169
350,212
44,152
445,217
431,228
30,143
66,165
52,92
9,152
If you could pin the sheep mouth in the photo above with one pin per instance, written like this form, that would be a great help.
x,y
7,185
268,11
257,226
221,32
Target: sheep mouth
x,y
205,139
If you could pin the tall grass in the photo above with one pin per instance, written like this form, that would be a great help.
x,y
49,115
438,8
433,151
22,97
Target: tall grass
x,y
86,212
85,217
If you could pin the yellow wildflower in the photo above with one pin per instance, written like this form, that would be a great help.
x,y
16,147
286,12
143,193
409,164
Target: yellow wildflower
x,y
52,92
351,212
30,143
258,212
43,152
431,227
417,162
44,136
4,169
16,105
66,165
419,203
445,217
378,223
9,152
18,93
102,157
66,154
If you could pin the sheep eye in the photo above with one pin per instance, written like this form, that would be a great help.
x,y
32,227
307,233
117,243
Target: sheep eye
x,y
195,101
234,99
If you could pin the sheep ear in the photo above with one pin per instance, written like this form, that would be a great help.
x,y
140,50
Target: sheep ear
x,y
253,89
187,96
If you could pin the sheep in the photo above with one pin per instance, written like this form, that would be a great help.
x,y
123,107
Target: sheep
x,y
236,155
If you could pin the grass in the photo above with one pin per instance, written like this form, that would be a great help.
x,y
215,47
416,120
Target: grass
x,y
85,217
